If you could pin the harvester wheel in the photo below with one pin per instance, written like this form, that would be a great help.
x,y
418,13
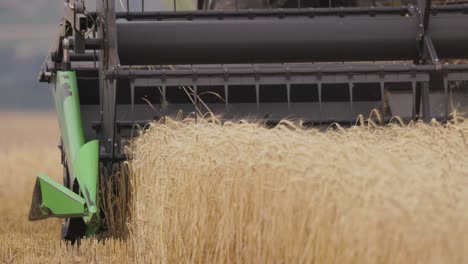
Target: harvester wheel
x,y
73,229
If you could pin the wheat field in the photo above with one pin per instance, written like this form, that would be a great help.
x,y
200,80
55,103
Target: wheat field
x,y
241,193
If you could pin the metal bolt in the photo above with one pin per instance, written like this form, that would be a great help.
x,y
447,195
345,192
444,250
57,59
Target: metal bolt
x,y
66,48
66,43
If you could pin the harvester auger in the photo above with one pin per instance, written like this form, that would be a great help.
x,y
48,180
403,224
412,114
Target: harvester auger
x,y
298,59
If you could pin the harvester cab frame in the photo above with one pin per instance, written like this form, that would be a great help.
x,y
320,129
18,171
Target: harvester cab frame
x,y
111,71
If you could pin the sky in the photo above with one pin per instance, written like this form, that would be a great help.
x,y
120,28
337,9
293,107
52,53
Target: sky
x,y
27,31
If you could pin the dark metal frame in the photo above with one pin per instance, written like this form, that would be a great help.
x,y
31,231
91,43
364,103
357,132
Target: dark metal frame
x,y
425,70
108,60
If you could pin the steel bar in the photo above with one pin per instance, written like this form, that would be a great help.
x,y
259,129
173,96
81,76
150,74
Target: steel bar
x,y
195,98
292,76
128,125
226,96
164,96
266,13
90,44
427,11
78,57
257,95
350,87
132,96
426,108
107,88
382,97
414,93
358,38
446,98
226,71
311,79
319,90
427,54
417,100
450,8
286,13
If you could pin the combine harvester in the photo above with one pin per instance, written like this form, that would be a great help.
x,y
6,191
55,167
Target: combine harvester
x,y
309,60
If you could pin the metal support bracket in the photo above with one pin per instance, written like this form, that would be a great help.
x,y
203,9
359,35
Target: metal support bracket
x,y
427,53
108,61
74,14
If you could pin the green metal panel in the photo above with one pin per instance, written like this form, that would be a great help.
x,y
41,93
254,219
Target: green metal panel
x,y
51,199
68,108
82,159
86,168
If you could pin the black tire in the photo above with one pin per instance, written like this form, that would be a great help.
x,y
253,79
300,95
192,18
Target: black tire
x,y
73,229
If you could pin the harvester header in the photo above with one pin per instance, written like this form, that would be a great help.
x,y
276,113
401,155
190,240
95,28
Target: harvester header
x,y
117,67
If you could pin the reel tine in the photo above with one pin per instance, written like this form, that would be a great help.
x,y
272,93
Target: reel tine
x,y
288,95
446,86
164,107
132,96
418,100
195,99
226,96
257,95
319,90
382,96
351,87
257,90
226,89
413,87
